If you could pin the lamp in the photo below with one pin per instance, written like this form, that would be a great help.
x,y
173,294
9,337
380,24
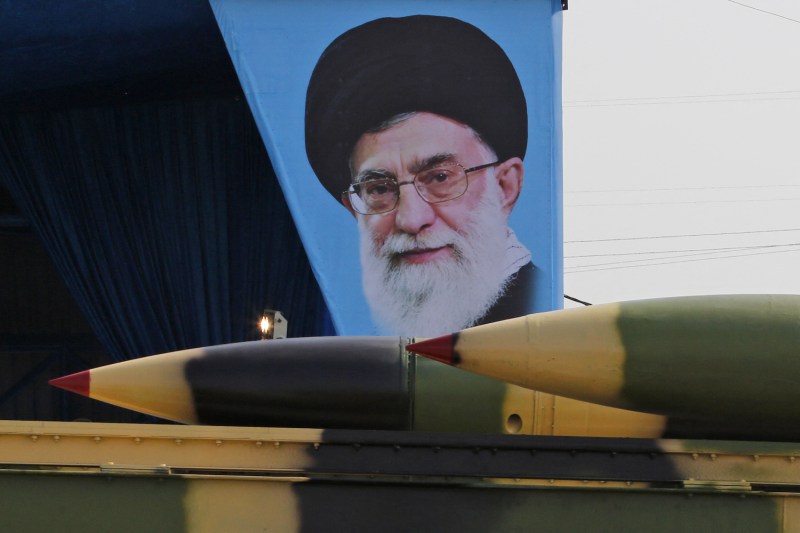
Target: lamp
x,y
273,325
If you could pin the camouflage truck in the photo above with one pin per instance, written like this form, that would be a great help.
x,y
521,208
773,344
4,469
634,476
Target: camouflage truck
x,y
122,477
415,445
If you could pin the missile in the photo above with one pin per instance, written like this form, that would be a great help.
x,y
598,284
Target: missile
x,y
701,368
731,360
341,382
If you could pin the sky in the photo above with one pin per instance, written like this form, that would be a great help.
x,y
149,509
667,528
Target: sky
x,y
681,127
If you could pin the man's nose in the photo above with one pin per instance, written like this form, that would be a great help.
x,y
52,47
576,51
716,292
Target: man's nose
x,y
413,213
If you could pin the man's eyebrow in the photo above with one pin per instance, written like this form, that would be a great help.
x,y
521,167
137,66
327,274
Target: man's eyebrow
x,y
417,166
432,161
372,174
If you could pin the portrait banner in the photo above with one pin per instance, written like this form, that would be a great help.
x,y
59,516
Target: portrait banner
x,y
418,145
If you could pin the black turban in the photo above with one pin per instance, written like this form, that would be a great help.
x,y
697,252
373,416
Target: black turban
x,y
390,66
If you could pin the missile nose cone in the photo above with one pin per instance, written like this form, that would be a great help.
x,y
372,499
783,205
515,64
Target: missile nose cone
x,y
78,382
439,348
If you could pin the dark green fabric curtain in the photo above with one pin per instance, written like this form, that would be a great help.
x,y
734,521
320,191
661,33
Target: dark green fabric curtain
x,y
165,220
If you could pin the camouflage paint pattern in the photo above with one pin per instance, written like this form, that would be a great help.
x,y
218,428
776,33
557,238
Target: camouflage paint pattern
x,y
341,382
451,399
155,380
116,477
717,366
741,354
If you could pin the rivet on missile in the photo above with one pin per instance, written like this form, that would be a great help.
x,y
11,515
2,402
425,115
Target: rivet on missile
x,y
316,445
514,423
97,439
259,444
56,438
137,440
178,441
277,444
34,438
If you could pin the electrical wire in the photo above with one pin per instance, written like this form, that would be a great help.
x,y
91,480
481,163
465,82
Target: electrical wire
x,y
577,270
764,11
683,255
685,202
684,235
717,250
677,97
680,102
707,188
568,297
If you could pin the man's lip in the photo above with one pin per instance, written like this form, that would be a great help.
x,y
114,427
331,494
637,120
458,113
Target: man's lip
x,y
422,255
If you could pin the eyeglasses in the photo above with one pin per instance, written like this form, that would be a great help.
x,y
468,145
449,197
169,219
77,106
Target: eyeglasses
x,y
380,193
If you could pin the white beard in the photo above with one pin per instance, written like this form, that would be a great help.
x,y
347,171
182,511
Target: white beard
x,y
428,300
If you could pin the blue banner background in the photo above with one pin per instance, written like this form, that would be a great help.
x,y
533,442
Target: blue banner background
x,y
275,45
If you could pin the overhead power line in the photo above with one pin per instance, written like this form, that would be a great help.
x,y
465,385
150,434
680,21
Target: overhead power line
x,y
568,297
678,202
764,11
678,97
699,100
706,188
693,254
713,250
685,235
579,270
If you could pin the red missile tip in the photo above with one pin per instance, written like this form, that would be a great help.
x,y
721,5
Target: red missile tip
x,y
78,382
439,348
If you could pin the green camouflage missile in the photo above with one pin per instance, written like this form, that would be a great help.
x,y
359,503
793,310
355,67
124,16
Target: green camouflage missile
x,y
713,367
732,359
341,382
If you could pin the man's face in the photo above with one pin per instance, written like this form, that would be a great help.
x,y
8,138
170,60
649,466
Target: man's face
x,y
402,151
434,268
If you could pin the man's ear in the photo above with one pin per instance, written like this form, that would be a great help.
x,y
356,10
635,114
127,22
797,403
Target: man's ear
x,y
509,176
347,204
